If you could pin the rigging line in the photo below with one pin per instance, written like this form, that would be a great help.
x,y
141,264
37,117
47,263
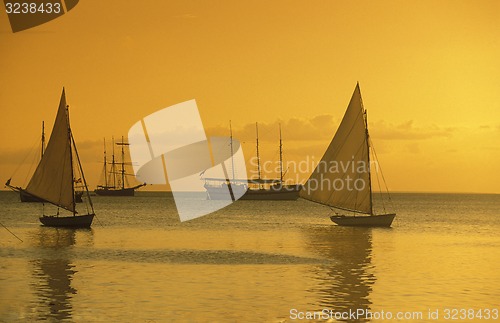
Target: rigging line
x,y
62,176
378,182
382,173
98,220
28,173
363,144
83,175
11,232
24,159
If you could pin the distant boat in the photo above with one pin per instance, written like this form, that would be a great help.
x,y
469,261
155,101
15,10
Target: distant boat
x,y
254,189
54,178
349,148
25,197
114,178
270,189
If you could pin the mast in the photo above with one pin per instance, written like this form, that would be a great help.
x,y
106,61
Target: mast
x,y
123,164
71,162
231,144
83,175
113,164
367,136
43,138
105,166
122,171
258,157
281,157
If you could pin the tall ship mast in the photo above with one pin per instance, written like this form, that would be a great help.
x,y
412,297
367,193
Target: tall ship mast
x,y
257,188
115,180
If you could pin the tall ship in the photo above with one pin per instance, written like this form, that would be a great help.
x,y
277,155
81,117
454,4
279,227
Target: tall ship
x,y
257,188
53,181
115,177
350,189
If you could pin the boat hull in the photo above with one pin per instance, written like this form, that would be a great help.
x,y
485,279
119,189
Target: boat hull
x,y
112,192
285,192
77,221
381,220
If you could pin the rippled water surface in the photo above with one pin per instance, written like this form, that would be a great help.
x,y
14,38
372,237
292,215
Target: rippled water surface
x,y
252,261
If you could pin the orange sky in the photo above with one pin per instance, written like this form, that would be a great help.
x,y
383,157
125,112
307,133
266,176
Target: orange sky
x,y
429,73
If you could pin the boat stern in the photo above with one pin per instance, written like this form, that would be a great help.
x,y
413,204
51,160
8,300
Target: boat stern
x,y
380,220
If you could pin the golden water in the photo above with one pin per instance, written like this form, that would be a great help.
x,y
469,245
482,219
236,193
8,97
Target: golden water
x,y
253,261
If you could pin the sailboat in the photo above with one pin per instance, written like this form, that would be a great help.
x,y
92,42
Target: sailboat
x,y
342,179
114,179
270,189
254,189
25,197
54,178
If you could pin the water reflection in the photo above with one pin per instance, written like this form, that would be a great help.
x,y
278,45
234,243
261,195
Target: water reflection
x,y
345,284
53,271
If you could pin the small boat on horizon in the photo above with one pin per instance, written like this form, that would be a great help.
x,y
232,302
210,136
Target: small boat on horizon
x,y
54,178
342,179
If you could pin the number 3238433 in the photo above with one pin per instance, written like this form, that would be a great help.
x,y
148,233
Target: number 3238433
x,y
33,7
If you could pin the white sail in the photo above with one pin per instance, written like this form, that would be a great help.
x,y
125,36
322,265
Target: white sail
x,y
53,178
342,178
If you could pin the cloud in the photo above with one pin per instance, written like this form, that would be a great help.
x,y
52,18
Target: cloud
x,y
323,127
408,131
19,155
320,127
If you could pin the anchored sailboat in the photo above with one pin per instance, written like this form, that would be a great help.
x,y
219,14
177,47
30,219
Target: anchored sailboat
x,y
114,179
270,189
342,179
258,188
54,178
25,197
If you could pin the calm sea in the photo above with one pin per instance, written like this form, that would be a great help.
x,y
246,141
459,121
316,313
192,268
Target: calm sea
x,y
252,262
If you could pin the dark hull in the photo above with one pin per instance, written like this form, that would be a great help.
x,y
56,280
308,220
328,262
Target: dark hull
x,y
25,197
382,220
278,193
285,192
77,221
115,192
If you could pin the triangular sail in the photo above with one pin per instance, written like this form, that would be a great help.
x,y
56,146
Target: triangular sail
x,y
342,178
53,178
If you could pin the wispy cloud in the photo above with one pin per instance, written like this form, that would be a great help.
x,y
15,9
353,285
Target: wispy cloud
x,y
320,127
408,131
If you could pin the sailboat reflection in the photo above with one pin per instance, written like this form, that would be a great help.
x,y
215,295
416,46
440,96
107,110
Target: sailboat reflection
x,y
53,271
346,284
